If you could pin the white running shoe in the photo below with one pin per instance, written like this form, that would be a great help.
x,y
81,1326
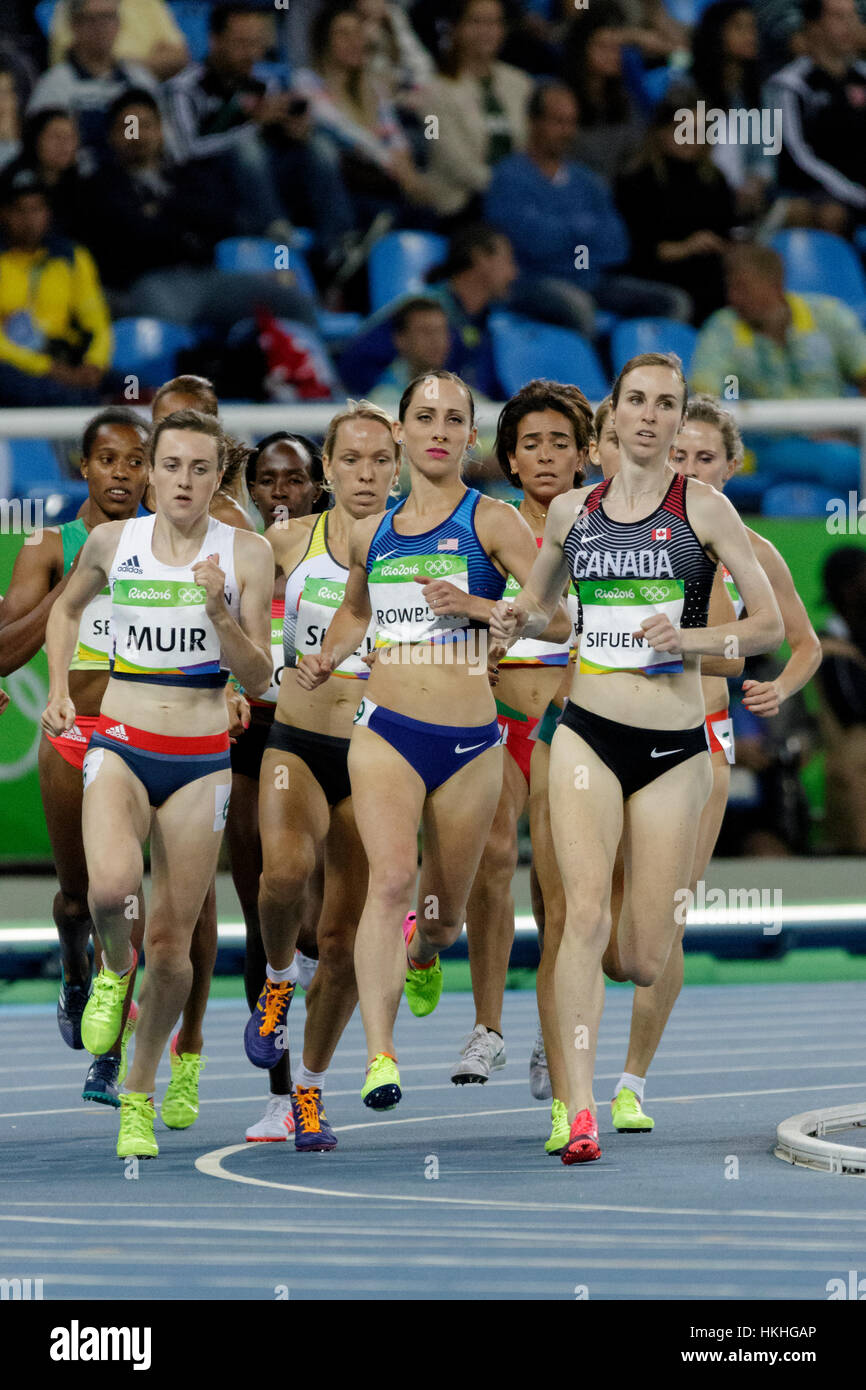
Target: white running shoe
x,y
276,1124
306,969
539,1076
484,1052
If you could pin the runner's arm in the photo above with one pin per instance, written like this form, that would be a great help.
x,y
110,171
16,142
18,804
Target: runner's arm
x,y
722,533
29,601
764,697
721,611
246,644
87,580
350,622
529,614
507,538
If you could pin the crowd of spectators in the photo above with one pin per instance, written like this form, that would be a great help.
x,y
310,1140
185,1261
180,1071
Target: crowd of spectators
x,y
544,140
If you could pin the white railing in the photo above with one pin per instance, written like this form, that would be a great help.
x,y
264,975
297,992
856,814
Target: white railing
x,y
250,421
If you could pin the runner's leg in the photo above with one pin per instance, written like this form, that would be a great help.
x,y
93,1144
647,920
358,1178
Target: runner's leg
x,y
184,848
553,900
388,797
490,909
586,816
294,819
333,994
653,1004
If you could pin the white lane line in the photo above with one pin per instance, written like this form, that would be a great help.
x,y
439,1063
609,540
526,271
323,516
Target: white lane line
x,y
211,1166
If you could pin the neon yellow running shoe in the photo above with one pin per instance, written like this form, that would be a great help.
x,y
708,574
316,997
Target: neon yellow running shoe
x,y
129,1029
423,986
560,1133
100,1022
381,1089
628,1117
137,1116
179,1107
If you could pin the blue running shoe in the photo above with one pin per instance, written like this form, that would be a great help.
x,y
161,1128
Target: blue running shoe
x,y
265,1039
312,1130
70,1007
101,1082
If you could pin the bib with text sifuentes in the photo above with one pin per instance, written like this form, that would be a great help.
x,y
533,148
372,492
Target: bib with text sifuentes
x,y
612,611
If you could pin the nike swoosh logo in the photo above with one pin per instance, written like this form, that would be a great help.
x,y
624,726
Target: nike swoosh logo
x,y
470,749
386,553
667,752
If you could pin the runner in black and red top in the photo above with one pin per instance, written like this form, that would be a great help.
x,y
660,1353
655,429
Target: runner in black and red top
x,y
629,758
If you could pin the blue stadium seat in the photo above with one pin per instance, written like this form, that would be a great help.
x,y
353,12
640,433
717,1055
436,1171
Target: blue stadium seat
x,y
44,13
796,499
192,18
523,349
399,262
254,253
36,473
821,263
656,81
259,253
148,348
631,336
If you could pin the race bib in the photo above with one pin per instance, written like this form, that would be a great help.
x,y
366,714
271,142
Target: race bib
x,y
733,591
400,611
723,731
612,611
318,603
94,634
529,651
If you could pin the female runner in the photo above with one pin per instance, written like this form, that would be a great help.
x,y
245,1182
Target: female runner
x,y
114,464
541,444
284,480
190,599
305,807
426,746
708,447
642,550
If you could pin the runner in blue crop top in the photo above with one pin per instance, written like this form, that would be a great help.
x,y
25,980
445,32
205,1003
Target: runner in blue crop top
x,y
629,759
428,574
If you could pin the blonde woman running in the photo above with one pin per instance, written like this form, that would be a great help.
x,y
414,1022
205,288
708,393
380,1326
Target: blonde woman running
x,y
305,800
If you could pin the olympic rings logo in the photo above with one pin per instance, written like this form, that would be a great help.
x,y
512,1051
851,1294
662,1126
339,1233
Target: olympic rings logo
x,y
191,595
655,594
438,567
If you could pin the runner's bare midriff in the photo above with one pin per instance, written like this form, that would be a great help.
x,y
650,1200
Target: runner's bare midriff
x,y
174,710
644,702
415,681
528,689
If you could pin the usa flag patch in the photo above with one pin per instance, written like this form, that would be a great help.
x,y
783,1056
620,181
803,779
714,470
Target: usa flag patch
x,y
451,544
661,533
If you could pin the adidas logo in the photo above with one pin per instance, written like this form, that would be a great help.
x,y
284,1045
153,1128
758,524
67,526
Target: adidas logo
x,y
75,734
132,566
118,731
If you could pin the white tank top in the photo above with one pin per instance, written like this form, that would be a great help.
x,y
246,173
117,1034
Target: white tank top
x,y
314,592
162,633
